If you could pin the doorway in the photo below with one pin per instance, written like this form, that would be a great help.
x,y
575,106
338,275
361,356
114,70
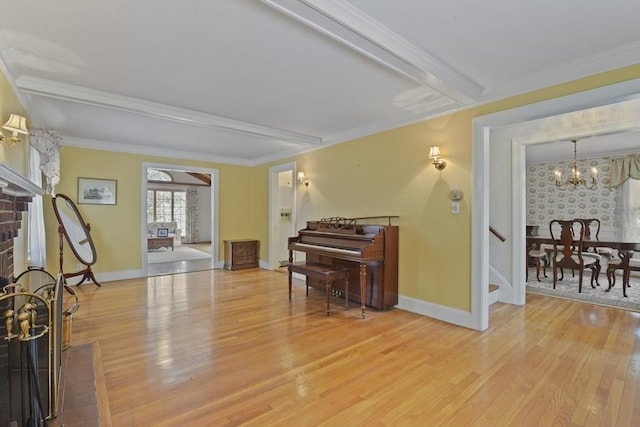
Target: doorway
x,y
282,212
179,219
563,118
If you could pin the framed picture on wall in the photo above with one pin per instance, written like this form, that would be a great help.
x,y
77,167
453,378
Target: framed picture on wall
x,y
95,191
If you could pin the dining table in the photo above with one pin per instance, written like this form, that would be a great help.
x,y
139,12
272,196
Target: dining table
x,y
625,253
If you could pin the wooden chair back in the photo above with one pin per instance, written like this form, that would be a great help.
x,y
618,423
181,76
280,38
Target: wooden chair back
x,y
591,228
567,239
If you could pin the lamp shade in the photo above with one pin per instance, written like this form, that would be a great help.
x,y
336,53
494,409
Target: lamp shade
x,y
17,124
434,152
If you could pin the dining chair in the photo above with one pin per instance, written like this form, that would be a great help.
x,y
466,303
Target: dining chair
x,y
591,228
616,264
568,237
592,232
538,258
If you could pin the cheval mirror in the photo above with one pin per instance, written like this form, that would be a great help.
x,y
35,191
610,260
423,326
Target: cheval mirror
x,y
76,233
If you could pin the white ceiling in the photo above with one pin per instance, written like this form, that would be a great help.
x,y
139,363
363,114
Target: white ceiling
x,y
247,81
596,146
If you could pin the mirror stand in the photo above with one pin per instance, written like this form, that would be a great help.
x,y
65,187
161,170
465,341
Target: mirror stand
x,y
87,273
73,229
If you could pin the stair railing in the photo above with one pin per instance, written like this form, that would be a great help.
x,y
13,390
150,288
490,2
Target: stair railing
x,y
497,234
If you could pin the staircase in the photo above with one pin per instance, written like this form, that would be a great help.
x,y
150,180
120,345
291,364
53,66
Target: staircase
x,y
494,290
493,293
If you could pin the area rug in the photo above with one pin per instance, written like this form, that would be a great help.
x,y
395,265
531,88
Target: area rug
x,y
180,253
204,247
568,289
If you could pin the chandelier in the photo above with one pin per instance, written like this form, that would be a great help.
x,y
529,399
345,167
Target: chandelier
x,y
575,180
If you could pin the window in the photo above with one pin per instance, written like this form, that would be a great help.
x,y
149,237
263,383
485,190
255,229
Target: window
x,y
629,210
156,175
167,206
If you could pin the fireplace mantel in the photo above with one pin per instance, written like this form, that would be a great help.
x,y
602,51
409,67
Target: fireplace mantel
x,y
14,184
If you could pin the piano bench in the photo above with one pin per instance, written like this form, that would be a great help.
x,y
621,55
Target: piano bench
x,y
326,273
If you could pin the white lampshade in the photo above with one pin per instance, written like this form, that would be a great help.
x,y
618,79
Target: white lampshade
x,y
16,124
301,177
434,152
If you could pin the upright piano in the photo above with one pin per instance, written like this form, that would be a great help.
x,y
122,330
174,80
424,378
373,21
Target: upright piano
x,y
370,252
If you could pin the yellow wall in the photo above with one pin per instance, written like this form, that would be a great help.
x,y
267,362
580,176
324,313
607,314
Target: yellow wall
x,y
383,174
14,157
116,229
389,174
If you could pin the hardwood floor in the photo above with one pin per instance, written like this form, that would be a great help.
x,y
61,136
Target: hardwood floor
x,y
216,348
182,266
188,266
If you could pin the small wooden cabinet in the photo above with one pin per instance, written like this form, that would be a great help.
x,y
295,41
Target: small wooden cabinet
x,y
159,242
240,254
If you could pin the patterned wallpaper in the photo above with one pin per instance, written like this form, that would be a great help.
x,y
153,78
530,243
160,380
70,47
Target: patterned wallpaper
x,y
545,202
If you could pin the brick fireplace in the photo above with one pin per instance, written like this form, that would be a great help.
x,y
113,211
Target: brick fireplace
x,y
11,210
16,193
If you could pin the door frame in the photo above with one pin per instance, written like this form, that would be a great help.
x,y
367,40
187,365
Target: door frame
x,y
481,130
214,208
274,217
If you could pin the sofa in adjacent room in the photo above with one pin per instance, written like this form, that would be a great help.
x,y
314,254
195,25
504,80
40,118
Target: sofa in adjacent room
x,y
174,231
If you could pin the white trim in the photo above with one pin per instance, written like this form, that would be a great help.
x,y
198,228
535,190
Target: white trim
x,y
440,312
602,62
518,222
153,151
264,265
119,275
273,181
495,296
83,95
505,290
353,28
480,224
214,209
480,165
613,120
15,184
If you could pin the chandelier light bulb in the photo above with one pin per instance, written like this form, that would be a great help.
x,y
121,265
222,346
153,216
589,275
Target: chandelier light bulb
x,y
574,180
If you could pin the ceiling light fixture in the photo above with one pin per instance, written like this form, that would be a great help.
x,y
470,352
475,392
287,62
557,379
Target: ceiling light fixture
x,y
16,124
574,180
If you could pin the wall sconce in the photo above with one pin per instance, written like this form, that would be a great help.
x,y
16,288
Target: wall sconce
x,y
302,180
16,124
434,154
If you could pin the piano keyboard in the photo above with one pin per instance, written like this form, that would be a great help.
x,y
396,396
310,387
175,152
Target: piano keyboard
x,y
326,249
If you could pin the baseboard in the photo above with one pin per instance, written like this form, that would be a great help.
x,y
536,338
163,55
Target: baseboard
x,y
264,265
436,311
119,275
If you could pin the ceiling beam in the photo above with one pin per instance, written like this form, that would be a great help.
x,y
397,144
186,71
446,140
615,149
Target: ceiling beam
x,y
79,94
352,27
204,177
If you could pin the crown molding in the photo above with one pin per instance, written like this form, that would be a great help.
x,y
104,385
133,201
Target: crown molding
x,y
78,94
350,26
283,154
153,151
609,60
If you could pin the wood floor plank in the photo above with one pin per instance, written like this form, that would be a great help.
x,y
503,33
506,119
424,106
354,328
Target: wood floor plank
x,y
228,348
